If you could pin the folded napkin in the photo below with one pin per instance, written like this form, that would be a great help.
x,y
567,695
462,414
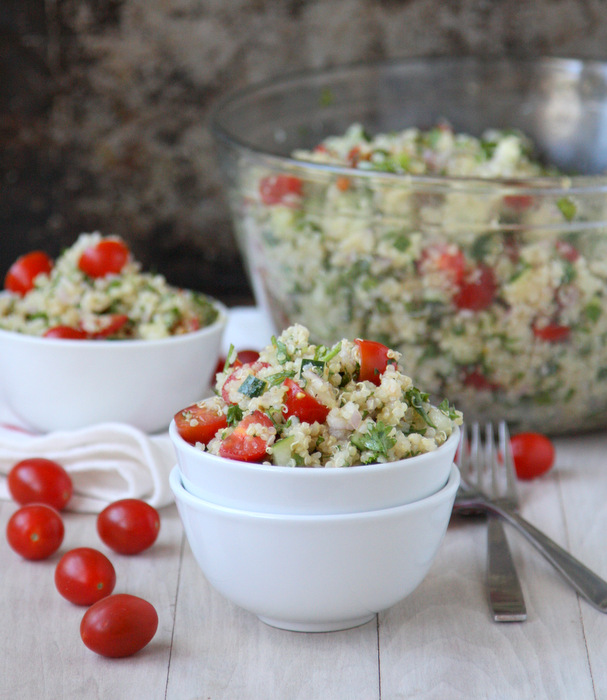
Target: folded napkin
x,y
110,461
106,462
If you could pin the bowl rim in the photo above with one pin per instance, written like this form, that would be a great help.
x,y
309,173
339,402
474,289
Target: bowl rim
x,y
443,494
90,343
306,473
568,184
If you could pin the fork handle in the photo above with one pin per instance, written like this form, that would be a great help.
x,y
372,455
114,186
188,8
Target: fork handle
x,y
584,581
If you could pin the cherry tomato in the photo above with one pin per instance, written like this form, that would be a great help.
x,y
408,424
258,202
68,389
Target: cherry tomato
x,y
445,258
128,526
243,357
199,423
22,273
107,257
477,380
241,446
119,625
373,360
477,291
552,333
111,324
567,251
533,454
65,333
298,402
84,575
518,202
40,480
280,189
35,531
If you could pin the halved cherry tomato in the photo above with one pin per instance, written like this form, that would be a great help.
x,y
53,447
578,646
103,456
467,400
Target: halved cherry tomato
x,y
108,256
22,273
477,380
241,446
119,625
567,250
552,333
66,333
35,531
243,357
477,291
298,402
518,202
40,480
533,454
199,423
280,189
128,526
84,575
373,360
445,258
111,324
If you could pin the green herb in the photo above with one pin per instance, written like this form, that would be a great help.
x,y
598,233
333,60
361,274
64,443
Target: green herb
x,y
231,356
282,354
324,355
567,207
377,440
234,414
417,399
252,386
279,377
593,310
447,409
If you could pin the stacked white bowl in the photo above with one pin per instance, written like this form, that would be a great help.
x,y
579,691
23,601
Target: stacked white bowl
x,y
314,549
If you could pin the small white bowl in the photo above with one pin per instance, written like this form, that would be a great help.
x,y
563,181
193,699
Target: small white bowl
x,y
293,490
52,384
315,573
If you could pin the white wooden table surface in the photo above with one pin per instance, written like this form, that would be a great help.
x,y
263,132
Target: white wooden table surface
x,y
439,643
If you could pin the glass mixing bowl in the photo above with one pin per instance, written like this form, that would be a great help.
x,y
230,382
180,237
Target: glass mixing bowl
x,y
343,253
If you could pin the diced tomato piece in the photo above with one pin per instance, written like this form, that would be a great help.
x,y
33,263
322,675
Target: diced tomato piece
x,y
22,273
518,202
237,377
66,333
280,189
243,447
300,403
552,333
477,291
111,325
199,423
567,251
477,380
373,360
446,258
243,357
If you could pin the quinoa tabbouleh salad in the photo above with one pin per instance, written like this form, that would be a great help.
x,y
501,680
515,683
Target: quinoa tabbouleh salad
x,y
305,405
96,290
495,296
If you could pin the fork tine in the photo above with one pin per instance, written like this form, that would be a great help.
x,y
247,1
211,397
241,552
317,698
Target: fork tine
x,y
476,461
505,449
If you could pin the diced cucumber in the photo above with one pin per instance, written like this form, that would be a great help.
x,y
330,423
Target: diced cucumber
x,y
281,451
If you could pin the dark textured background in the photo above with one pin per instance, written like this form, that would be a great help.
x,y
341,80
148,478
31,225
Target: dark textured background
x,y
103,104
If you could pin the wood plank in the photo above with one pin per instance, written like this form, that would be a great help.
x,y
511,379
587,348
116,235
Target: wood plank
x,y
223,652
441,643
42,656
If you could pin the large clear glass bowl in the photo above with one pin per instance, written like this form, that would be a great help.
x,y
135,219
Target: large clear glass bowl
x,y
345,262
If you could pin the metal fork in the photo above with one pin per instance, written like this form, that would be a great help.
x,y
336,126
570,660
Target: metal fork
x,y
480,462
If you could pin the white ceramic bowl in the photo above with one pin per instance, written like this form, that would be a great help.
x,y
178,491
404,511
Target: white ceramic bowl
x,y
54,384
315,573
293,490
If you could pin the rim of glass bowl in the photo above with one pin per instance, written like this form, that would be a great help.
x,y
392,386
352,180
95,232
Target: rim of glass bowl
x,y
556,186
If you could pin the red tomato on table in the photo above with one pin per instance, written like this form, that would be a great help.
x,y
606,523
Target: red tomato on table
x,y
22,273
40,480
298,402
84,575
35,531
373,360
533,454
119,625
128,526
199,423
108,256
241,446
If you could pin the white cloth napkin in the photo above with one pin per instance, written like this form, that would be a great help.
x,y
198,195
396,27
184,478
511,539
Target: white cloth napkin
x,y
111,461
